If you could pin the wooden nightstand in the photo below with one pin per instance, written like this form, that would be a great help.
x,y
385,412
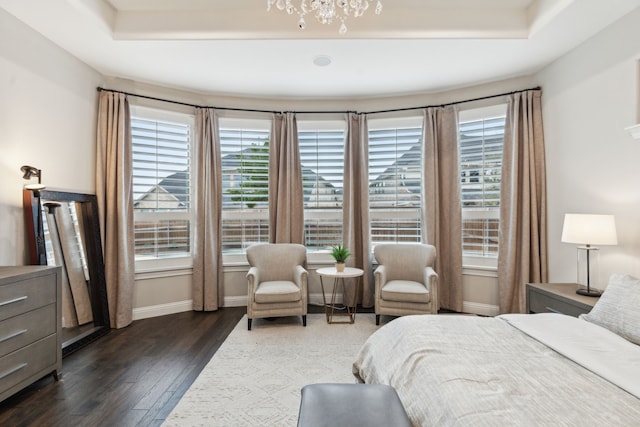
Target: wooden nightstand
x,y
557,298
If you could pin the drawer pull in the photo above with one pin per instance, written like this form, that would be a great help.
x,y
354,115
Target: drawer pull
x,y
13,335
11,301
553,310
12,371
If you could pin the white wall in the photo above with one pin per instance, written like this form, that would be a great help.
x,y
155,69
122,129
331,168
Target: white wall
x,y
589,97
47,120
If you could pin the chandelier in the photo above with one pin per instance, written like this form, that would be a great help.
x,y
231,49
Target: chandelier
x,y
325,11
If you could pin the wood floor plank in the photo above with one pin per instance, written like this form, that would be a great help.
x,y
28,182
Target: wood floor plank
x,y
131,377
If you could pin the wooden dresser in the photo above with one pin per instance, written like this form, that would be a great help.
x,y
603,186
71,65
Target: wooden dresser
x,y
30,326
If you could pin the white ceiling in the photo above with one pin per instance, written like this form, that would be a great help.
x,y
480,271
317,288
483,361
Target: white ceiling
x,y
236,47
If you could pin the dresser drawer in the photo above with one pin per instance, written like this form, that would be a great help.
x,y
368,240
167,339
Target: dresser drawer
x,y
26,295
24,329
20,365
542,303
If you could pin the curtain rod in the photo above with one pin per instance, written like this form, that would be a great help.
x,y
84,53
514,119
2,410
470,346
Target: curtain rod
x,y
100,89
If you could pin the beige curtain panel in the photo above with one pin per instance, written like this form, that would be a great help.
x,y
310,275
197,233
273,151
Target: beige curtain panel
x,y
115,203
207,285
523,210
442,215
286,214
355,208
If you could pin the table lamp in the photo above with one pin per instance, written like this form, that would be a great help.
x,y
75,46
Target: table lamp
x,y
588,230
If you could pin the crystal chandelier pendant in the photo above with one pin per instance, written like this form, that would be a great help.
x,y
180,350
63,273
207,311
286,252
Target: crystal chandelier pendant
x,y
325,11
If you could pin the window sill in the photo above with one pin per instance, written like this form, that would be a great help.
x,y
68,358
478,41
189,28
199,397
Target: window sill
x,y
158,272
480,270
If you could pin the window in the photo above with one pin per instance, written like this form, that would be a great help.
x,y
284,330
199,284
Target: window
x,y
244,146
481,143
322,157
162,189
395,180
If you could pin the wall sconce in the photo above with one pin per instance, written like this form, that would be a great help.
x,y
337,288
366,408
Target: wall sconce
x,y
589,230
28,173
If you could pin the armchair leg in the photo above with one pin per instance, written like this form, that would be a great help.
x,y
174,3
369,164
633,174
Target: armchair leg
x,y
377,319
249,324
304,320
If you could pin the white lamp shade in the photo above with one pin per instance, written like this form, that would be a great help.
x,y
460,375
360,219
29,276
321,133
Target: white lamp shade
x,y
589,229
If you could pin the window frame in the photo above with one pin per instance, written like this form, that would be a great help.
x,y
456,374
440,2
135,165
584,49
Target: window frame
x,y
242,124
155,264
471,261
414,213
327,125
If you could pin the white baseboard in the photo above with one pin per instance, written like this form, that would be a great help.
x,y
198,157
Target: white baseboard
x,y
235,301
479,308
315,299
162,309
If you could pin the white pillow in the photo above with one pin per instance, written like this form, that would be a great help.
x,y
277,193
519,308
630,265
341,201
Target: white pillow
x,y
618,309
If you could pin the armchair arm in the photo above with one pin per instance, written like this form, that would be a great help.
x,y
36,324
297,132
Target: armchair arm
x,y
380,278
253,279
431,281
300,276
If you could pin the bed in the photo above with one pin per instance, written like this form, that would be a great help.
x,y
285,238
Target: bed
x,y
516,369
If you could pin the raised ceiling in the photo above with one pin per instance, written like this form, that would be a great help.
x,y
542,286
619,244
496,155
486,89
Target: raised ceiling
x,y
236,47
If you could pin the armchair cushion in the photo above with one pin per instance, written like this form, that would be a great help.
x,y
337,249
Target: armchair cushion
x,y
277,291
405,291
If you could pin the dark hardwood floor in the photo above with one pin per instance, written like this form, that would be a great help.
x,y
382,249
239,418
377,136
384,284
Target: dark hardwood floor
x,y
131,377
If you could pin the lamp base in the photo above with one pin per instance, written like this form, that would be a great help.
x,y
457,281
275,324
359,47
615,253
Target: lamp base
x,y
588,292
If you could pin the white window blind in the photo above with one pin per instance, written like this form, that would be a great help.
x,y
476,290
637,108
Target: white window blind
x,y
162,189
245,180
481,144
322,157
395,175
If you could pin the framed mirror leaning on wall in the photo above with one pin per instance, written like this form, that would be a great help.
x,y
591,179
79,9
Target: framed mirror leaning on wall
x,y
63,229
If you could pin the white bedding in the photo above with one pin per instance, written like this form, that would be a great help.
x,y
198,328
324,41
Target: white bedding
x,y
592,346
464,370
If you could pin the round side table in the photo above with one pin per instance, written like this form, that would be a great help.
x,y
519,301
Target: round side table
x,y
338,279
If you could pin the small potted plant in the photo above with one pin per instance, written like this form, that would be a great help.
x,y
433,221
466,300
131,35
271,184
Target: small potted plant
x,y
340,255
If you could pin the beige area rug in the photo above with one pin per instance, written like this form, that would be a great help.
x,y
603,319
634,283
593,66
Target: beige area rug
x,y
255,378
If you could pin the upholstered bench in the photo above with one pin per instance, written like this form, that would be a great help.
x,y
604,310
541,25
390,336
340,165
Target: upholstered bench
x,y
353,405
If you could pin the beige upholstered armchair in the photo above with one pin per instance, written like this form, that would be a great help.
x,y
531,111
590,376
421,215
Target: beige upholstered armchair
x,y
405,280
277,281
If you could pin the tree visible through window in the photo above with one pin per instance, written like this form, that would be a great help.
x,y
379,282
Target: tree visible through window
x,y
244,146
253,188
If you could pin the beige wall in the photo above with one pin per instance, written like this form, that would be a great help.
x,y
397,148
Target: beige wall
x,y
48,110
